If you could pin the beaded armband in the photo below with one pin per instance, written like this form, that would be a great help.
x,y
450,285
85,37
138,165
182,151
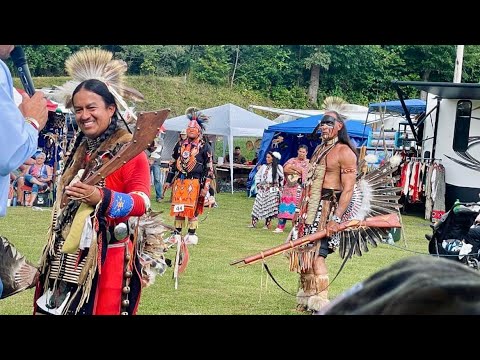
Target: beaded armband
x,y
348,170
120,205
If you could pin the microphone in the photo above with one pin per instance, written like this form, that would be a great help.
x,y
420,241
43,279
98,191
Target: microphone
x,y
20,62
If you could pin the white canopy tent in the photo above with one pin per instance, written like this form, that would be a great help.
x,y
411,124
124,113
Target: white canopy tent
x,y
228,121
352,111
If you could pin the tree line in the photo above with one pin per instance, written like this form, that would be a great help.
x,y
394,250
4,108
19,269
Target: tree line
x,y
300,75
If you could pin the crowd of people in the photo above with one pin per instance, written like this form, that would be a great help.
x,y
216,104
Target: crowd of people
x,y
89,265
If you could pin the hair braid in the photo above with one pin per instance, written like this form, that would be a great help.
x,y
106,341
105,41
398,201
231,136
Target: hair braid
x,y
77,143
110,130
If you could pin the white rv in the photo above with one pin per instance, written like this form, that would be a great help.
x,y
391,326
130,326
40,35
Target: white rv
x,y
451,133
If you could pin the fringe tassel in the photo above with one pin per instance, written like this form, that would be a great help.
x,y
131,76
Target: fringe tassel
x,y
85,279
301,259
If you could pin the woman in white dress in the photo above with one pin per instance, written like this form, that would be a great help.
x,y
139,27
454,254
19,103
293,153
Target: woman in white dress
x,y
269,180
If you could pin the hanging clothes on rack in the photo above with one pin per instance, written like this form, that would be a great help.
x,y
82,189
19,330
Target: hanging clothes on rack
x,y
428,193
438,191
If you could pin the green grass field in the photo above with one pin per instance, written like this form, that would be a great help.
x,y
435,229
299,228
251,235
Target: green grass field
x,y
210,285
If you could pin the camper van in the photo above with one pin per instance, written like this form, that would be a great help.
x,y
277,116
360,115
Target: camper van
x,y
450,133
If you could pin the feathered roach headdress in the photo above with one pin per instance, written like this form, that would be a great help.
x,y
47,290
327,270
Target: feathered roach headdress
x,y
337,104
196,117
97,64
331,103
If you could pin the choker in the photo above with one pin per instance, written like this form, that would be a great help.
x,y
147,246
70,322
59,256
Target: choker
x,y
93,144
331,141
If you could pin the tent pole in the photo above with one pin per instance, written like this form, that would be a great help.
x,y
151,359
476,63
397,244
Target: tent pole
x,y
230,157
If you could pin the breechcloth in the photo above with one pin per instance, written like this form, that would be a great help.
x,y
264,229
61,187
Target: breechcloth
x,y
185,194
326,207
301,258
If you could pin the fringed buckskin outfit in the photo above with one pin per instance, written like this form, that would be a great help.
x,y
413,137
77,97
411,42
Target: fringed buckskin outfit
x,y
102,276
316,207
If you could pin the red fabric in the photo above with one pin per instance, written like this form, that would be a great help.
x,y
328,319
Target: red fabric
x,y
413,186
109,293
50,105
133,176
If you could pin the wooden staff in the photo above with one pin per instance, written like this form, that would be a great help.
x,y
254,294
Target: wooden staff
x,y
381,221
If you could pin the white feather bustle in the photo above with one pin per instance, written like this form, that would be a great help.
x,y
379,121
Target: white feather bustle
x,y
395,160
371,158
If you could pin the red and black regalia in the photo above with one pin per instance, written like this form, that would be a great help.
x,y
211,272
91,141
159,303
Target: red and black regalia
x,y
190,174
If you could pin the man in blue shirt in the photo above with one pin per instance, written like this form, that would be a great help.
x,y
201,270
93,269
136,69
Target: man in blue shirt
x,y
19,126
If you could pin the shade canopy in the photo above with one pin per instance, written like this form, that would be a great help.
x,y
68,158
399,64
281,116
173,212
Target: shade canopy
x,y
414,106
285,138
229,121
226,120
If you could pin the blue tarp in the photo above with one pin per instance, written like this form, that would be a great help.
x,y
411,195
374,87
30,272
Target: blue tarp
x,y
287,137
414,106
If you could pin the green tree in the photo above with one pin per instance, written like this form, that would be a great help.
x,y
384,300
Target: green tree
x,y
264,67
471,64
213,65
316,58
47,60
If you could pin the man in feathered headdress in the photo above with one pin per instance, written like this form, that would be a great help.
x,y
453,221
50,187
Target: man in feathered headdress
x,y
326,195
190,172
90,264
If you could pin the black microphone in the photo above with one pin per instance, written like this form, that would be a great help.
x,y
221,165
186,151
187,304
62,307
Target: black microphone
x,y
20,62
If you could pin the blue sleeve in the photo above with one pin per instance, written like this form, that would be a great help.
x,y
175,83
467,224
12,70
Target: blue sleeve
x,y
18,139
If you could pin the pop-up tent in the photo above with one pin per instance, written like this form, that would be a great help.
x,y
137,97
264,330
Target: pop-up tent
x,y
228,121
287,137
414,106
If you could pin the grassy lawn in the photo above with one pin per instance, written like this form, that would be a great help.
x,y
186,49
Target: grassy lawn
x,y
210,285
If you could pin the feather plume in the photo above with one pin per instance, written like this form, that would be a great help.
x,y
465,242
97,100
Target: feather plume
x,y
16,273
194,113
373,194
151,245
334,103
96,64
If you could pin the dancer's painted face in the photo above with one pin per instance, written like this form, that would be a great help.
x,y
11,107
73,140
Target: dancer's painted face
x,y
193,130
330,126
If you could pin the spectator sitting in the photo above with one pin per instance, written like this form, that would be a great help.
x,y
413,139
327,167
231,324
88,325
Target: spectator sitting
x,y
18,180
238,158
38,177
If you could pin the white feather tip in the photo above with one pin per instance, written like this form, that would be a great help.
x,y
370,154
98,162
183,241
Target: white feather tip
x,y
371,158
395,161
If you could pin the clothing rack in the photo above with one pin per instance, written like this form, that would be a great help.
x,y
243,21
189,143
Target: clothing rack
x,y
424,159
429,162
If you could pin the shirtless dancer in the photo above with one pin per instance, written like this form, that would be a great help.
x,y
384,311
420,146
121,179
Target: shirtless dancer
x,y
327,193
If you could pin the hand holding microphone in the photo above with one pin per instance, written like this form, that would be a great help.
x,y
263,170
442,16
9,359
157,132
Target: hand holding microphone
x,y
34,105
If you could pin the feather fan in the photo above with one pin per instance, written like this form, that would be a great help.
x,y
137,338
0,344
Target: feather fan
x,y
16,273
374,194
